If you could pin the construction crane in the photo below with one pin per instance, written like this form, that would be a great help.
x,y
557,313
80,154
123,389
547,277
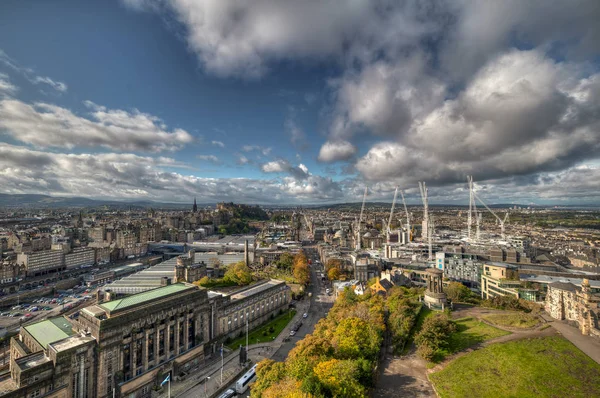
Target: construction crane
x,y
408,230
362,209
389,224
471,201
500,221
426,220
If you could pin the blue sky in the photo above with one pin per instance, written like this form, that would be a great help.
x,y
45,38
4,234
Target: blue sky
x,y
284,102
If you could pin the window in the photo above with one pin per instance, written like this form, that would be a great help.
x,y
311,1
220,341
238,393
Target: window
x,y
36,393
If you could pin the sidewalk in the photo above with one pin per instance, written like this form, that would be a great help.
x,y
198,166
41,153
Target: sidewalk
x,y
589,345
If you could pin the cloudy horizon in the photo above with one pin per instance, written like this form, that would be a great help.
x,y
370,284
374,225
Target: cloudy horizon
x,y
277,102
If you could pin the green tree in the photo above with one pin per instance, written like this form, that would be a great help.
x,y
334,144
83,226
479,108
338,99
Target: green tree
x,y
285,262
435,333
238,273
268,372
458,292
333,274
355,338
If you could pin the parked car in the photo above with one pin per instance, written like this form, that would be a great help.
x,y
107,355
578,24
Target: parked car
x,y
305,315
292,332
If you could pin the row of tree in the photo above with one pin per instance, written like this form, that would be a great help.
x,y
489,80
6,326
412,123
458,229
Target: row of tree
x,y
236,274
403,310
296,265
337,360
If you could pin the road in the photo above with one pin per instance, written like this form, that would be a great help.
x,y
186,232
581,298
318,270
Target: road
x,y
316,307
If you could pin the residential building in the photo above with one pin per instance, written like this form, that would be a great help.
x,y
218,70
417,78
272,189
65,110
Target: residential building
x,y
461,267
42,262
80,256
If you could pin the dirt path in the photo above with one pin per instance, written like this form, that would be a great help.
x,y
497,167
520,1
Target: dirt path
x,y
404,376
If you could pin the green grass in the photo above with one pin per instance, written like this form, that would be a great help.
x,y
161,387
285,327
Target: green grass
x,y
538,367
469,332
513,320
256,335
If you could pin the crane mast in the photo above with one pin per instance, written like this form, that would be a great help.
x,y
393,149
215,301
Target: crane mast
x,y
362,209
407,216
389,224
426,220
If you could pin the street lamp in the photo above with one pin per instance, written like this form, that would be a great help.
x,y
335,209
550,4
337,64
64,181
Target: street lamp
x,y
205,382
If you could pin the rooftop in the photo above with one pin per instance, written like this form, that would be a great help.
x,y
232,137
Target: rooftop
x,y
255,289
141,298
50,330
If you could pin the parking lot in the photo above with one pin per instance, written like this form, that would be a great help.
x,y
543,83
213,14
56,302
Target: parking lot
x,y
44,307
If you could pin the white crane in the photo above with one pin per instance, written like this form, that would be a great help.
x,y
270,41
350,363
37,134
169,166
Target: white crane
x,y
389,224
471,202
362,209
407,215
500,221
426,220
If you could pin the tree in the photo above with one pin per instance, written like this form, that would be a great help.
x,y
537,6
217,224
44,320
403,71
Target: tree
x,y
268,372
340,377
285,262
238,273
435,334
205,280
333,274
355,338
301,270
457,292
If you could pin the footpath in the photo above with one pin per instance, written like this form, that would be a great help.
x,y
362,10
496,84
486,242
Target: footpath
x,y
206,381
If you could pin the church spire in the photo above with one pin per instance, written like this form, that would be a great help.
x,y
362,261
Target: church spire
x,y
195,207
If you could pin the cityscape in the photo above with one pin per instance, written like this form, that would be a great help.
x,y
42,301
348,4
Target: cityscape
x,y
314,199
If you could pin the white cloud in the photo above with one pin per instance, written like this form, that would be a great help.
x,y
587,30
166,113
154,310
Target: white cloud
x,y
46,125
209,158
218,143
333,151
58,86
125,176
264,150
297,135
6,87
243,160
30,74
275,167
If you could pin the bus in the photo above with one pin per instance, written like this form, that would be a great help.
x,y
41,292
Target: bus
x,y
242,384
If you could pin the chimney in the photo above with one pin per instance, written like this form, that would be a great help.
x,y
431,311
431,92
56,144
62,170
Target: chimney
x,y
165,281
246,254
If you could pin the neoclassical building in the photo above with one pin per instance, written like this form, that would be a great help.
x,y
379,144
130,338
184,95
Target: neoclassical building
x,y
126,346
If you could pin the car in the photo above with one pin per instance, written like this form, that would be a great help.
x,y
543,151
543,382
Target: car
x,y
327,291
292,332
305,315
228,394
5,314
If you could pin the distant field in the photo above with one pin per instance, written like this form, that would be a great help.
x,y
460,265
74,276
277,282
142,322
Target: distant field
x,y
513,320
538,367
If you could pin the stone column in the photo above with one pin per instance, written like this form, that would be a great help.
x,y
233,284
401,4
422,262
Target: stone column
x,y
145,349
177,326
168,338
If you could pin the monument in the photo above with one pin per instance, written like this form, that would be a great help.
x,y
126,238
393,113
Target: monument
x,y
435,295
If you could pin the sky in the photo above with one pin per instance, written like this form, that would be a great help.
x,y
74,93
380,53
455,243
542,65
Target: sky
x,y
301,102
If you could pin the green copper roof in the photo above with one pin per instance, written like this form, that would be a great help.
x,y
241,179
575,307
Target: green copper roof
x,y
50,330
140,298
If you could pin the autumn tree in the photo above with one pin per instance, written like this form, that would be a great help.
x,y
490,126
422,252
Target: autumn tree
x,y
340,377
268,372
300,268
355,338
334,274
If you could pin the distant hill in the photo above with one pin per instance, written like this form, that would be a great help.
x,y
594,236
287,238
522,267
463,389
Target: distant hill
x,y
46,201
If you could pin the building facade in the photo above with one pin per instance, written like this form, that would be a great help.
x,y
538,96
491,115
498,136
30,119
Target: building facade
x,y
42,262
462,267
576,304
80,256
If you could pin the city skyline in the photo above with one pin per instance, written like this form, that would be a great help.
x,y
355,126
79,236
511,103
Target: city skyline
x,y
300,103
